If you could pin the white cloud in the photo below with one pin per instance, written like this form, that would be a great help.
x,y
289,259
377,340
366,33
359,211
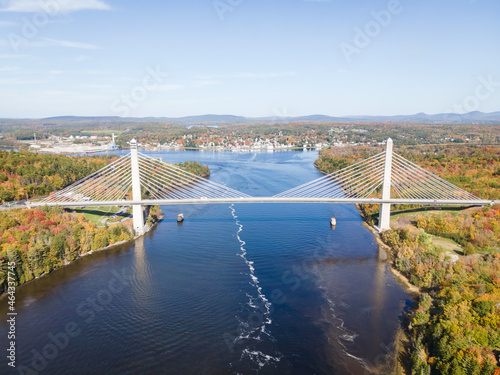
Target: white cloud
x,y
9,68
203,83
15,81
248,75
12,55
47,42
169,87
93,72
82,58
265,75
58,93
62,6
98,87
7,23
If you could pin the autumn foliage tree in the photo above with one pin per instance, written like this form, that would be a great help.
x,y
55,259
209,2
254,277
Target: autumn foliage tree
x,y
26,175
41,240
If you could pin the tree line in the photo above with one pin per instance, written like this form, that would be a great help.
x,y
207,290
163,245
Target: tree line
x,y
43,239
455,327
25,175
194,167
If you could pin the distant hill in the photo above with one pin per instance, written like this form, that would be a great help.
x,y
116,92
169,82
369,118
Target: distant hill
x,y
310,118
208,119
91,119
230,119
441,118
475,117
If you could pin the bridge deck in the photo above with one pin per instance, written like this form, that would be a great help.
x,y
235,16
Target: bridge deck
x,y
147,202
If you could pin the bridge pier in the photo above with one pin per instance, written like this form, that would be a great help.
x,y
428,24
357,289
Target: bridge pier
x,y
138,217
137,209
384,220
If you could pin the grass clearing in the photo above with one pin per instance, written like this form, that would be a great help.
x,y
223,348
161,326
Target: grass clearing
x,y
408,217
97,215
447,244
427,211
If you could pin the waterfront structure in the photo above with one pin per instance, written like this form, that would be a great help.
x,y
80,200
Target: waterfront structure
x,y
138,180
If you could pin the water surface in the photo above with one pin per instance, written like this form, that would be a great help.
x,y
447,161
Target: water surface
x,y
243,288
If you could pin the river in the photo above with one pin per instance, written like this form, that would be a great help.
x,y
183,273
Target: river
x,y
234,289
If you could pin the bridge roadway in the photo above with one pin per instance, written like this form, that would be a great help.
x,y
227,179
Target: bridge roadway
x,y
162,202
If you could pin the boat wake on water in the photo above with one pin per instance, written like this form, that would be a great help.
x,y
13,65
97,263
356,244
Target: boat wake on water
x,y
343,334
255,316
339,336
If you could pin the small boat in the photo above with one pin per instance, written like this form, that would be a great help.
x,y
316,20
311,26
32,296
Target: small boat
x,y
333,221
180,218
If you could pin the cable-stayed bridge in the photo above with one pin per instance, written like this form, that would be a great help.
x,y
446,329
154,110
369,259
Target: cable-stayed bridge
x,y
139,180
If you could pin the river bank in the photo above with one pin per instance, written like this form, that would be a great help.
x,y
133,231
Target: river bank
x,y
148,228
422,249
384,253
205,286
399,357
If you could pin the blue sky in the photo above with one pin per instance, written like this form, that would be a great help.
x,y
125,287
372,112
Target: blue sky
x,y
250,58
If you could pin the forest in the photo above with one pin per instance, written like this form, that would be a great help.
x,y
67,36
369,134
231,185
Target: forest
x,y
195,168
25,175
40,240
455,327
43,239
473,168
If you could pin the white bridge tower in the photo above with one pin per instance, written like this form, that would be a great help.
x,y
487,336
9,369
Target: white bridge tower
x,y
137,209
384,220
